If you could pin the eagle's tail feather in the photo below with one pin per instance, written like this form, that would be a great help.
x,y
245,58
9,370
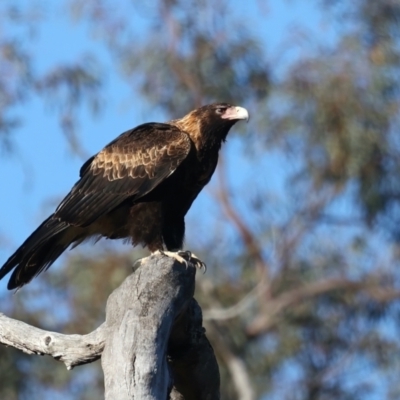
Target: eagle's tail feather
x,y
38,252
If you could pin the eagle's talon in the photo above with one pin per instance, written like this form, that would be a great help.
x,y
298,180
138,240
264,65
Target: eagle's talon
x,y
177,255
186,253
203,267
196,262
186,257
136,264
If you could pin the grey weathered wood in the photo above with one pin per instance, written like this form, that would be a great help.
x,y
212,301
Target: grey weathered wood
x,y
139,316
151,342
72,350
191,357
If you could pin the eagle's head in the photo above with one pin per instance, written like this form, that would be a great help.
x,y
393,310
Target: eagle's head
x,y
221,114
212,122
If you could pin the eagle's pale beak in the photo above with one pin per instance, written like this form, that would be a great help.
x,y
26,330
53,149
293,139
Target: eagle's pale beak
x,y
236,113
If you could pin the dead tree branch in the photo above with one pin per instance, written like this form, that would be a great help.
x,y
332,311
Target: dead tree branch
x,y
72,350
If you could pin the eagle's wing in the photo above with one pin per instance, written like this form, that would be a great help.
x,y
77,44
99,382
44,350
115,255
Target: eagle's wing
x,y
129,167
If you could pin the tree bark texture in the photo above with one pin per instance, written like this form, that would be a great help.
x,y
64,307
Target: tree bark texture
x,y
152,344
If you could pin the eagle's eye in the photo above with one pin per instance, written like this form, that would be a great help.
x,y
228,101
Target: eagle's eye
x,y
220,110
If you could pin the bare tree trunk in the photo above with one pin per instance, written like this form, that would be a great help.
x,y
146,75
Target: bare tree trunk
x,y
152,344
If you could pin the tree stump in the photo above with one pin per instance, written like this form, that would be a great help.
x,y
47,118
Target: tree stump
x,y
152,344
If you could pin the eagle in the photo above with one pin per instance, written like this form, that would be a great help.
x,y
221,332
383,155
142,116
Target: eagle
x,y
139,187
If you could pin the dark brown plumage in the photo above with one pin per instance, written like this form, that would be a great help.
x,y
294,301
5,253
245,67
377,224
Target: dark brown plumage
x,y
140,186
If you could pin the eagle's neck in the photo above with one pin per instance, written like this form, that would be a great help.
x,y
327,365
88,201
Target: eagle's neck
x,y
190,125
206,138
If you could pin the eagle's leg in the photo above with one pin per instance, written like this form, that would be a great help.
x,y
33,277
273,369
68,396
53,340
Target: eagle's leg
x,y
172,233
185,257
